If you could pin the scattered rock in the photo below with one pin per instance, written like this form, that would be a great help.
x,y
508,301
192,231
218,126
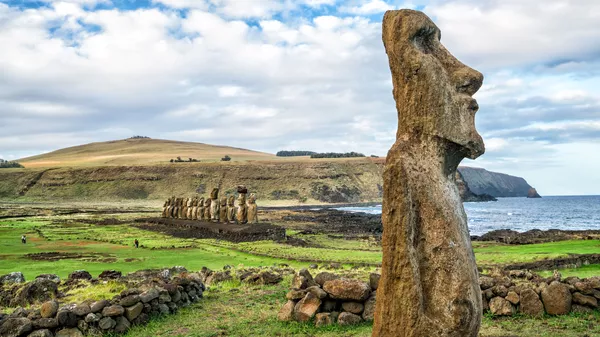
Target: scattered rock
x,y
323,319
38,290
346,318
149,295
66,318
374,281
80,275
369,310
581,309
50,277
14,277
107,323
73,332
557,299
512,297
353,307
585,300
92,318
486,282
49,309
347,289
41,333
530,303
134,311
99,305
110,275
122,325
15,327
129,300
317,291
296,294
219,276
113,310
323,277
45,323
501,307
286,313
307,307
82,309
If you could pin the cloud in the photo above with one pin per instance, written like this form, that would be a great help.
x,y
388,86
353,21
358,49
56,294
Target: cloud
x,y
369,7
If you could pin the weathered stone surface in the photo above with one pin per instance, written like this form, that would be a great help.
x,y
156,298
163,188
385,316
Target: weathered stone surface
x,y
107,323
149,295
66,318
329,306
296,294
317,291
307,307
110,275
134,311
129,300
45,323
346,318
122,324
369,310
557,299
163,309
73,332
50,277
323,277
512,297
347,289
323,319
80,275
38,290
590,301
15,327
113,310
41,333
501,307
14,277
252,209
374,280
142,319
49,309
530,303
427,255
92,318
82,309
581,309
98,305
218,276
286,313
353,307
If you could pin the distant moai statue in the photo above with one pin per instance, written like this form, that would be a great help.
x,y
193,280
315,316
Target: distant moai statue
x,y
231,209
190,208
242,210
171,207
177,207
200,215
214,205
195,208
252,208
429,281
207,203
223,210
184,208
164,210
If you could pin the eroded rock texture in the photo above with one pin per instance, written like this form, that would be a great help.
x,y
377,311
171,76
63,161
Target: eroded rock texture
x,y
429,284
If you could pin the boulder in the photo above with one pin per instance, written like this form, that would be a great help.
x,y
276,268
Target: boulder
x,y
149,295
286,313
66,318
346,318
218,276
110,275
584,288
72,332
99,305
49,309
113,310
142,319
323,319
500,290
38,290
512,297
317,291
369,310
41,333
374,280
163,309
353,307
107,323
14,277
581,309
307,307
557,299
134,311
501,307
347,289
82,309
323,277
296,294
589,301
486,282
129,300
80,275
122,324
50,277
15,327
45,323
92,318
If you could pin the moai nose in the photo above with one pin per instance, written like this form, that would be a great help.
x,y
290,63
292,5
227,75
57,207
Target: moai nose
x,y
467,80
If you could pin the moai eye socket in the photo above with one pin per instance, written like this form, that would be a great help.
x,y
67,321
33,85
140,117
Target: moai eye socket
x,y
426,39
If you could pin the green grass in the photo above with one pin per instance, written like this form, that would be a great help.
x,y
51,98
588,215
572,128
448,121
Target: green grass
x,y
493,253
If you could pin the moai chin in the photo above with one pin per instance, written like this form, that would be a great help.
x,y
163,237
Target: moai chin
x,y
429,281
252,208
242,209
214,205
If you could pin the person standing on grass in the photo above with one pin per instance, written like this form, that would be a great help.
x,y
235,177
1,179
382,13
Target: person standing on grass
x,y
137,243
23,239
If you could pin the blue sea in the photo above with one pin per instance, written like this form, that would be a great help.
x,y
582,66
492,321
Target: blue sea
x,y
523,214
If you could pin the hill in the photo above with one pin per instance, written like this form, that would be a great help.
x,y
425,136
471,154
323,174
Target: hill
x,y
143,151
482,181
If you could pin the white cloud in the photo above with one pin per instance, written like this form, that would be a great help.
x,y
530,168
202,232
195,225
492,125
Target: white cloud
x,y
370,7
180,4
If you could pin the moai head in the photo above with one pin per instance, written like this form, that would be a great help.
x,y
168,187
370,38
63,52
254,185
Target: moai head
x,y
231,201
242,189
201,201
214,194
432,88
207,202
223,201
252,198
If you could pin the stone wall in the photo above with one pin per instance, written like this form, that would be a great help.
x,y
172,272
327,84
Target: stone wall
x,y
332,299
159,295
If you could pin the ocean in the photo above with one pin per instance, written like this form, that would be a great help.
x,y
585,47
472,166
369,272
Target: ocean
x,y
523,214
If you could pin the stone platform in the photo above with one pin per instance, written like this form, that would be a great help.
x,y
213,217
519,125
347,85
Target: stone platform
x,y
203,230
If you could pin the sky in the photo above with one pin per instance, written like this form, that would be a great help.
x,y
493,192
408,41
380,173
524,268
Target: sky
x,y
297,75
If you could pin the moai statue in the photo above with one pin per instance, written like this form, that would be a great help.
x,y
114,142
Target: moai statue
x,y
214,205
252,209
231,209
223,210
429,282
200,215
184,208
195,208
164,210
207,203
242,210
189,208
176,208
171,207
181,208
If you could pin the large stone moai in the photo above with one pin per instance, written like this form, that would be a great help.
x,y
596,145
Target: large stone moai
x,y
231,209
190,209
242,209
223,209
429,281
171,207
252,209
164,209
214,205
207,203
200,211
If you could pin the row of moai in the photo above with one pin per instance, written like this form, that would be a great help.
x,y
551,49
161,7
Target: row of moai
x,y
215,209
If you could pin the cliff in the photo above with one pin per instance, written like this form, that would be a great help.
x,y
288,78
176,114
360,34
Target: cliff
x,y
496,184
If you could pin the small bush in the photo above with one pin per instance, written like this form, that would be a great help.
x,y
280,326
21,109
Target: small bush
x,y
226,158
9,164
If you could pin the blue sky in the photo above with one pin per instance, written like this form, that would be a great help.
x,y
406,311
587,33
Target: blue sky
x,y
305,75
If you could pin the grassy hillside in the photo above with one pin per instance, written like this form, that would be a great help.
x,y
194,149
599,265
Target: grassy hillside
x,y
138,152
